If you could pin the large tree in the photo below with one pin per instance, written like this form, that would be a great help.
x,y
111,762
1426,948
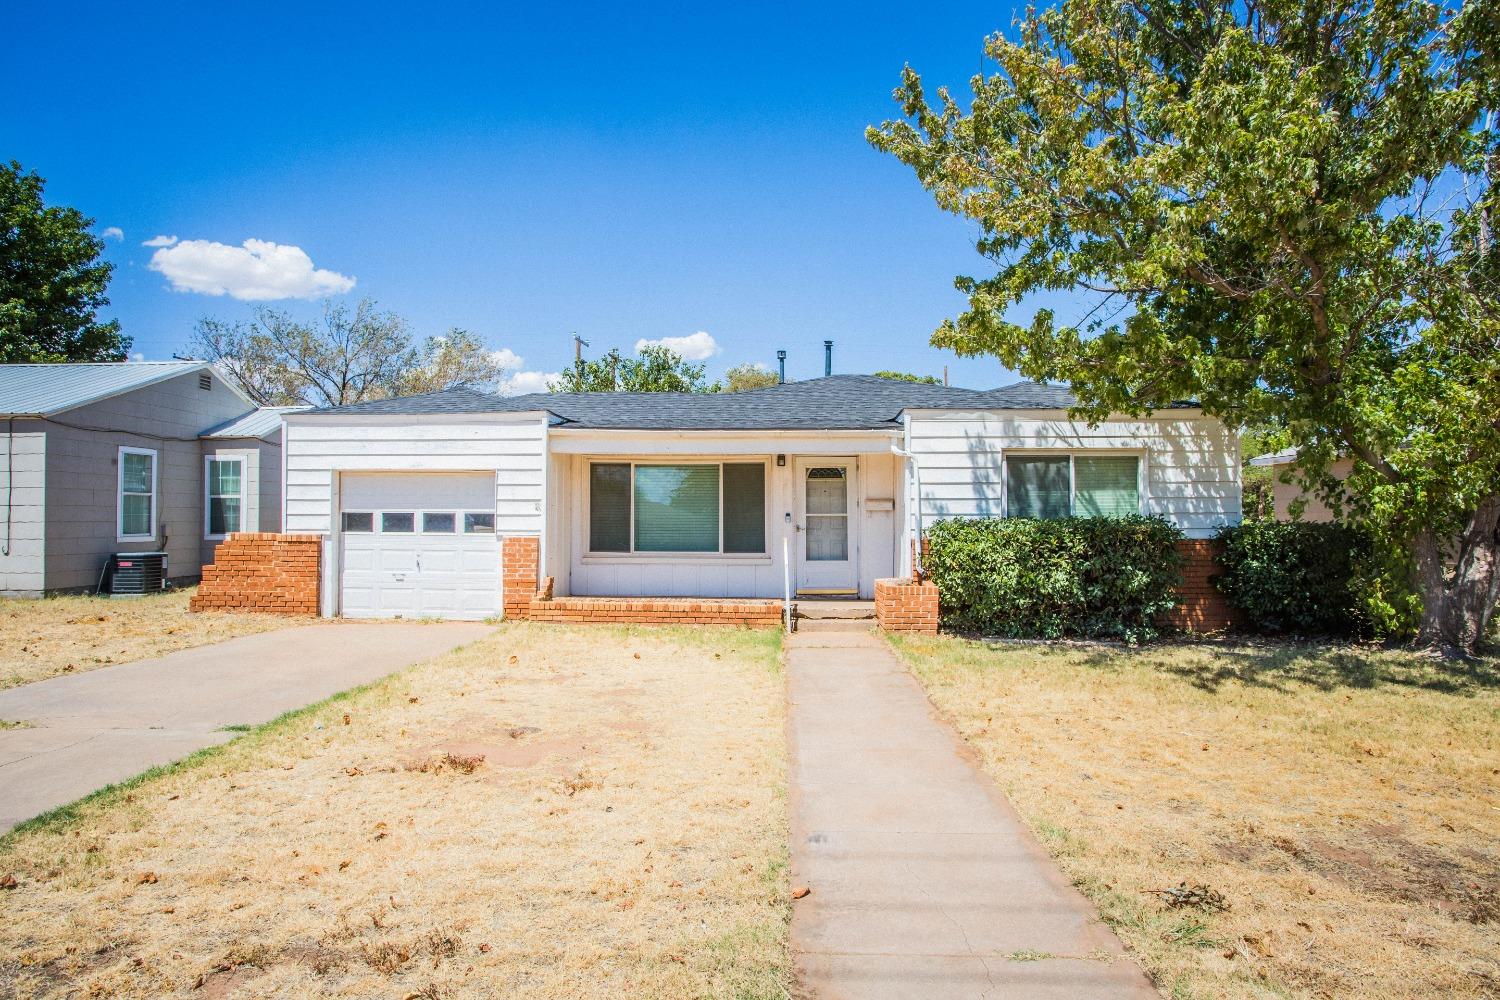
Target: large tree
x,y
52,281
349,356
747,376
1281,208
654,369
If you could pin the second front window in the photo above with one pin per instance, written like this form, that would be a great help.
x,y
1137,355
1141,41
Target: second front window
x,y
708,507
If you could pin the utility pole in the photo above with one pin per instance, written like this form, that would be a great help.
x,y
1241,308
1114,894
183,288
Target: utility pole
x,y
578,345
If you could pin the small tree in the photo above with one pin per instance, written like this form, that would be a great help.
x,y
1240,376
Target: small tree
x,y
52,282
655,369
1281,208
909,377
348,357
747,376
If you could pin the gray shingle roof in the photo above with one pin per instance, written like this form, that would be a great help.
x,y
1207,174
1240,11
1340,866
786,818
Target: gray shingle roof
x,y
44,390
836,402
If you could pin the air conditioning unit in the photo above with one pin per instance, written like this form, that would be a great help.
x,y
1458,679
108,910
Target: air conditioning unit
x,y
131,574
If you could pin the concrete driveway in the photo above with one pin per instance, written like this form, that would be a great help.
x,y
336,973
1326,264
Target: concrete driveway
x,y
93,729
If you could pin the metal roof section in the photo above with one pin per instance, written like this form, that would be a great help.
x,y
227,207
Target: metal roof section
x,y
47,390
1283,457
255,424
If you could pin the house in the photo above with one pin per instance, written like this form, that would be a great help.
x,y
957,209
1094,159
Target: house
x,y
460,504
1285,494
127,457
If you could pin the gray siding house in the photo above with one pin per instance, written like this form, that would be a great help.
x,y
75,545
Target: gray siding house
x,y
127,457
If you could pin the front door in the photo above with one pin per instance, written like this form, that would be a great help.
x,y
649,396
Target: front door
x,y
826,527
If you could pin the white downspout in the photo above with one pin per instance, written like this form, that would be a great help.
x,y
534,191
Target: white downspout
x,y
916,510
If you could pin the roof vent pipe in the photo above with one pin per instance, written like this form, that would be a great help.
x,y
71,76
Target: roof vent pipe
x,y
827,358
781,363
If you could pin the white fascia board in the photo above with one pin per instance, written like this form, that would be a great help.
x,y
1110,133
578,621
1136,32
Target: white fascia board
x,y
582,441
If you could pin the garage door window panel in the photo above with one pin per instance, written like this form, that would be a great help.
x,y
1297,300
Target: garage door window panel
x,y
360,522
438,522
397,523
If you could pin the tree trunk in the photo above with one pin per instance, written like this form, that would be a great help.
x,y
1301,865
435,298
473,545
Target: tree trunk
x,y
1458,603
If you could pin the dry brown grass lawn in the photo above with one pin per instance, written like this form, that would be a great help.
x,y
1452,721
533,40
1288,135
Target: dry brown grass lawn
x,y
1346,803
58,635
624,834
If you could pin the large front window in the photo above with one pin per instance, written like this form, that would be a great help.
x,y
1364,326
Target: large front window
x,y
710,507
223,485
137,494
1050,486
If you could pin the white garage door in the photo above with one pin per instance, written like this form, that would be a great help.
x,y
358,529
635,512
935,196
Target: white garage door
x,y
419,546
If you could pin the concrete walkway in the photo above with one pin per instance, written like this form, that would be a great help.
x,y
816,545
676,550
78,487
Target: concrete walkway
x,y
925,882
93,729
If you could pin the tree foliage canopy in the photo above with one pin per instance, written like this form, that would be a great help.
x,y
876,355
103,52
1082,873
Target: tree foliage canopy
x,y
347,357
1281,208
747,376
909,377
52,282
655,369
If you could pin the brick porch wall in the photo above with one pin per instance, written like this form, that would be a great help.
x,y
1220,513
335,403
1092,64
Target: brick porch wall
x,y
902,605
262,571
1203,608
527,596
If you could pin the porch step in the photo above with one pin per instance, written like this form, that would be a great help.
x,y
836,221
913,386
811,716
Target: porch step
x,y
834,624
824,609
834,616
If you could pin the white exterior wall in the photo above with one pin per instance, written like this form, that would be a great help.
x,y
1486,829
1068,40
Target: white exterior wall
x,y
1191,462
23,491
318,449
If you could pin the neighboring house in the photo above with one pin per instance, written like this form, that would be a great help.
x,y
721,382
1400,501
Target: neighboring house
x,y
811,484
128,457
1284,494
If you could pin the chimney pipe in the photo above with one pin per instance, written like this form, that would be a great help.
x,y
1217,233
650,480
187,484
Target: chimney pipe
x,y
781,363
827,358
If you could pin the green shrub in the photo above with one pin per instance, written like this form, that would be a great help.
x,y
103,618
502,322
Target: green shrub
x,y
1293,576
1074,577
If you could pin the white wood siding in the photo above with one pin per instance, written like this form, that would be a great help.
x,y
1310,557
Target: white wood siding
x,y
1192,462
512,446
23,490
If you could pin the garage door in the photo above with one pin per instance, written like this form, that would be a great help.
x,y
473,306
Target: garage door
x,y
419,546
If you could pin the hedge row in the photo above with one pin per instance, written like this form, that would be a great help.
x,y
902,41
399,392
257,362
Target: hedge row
x,y
1108,578
1114,578
1294,576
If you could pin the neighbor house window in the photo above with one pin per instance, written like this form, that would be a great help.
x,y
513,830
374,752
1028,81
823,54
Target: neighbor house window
x,y
1050,486
708,507
224,489
137,494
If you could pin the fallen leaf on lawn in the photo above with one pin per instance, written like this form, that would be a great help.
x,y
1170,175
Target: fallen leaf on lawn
x,y
801,891
344,864
346,722
7,881
146,878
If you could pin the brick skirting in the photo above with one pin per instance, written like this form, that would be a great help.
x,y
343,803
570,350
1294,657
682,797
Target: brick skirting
x,y
1203,608
262,571
903,605
520,558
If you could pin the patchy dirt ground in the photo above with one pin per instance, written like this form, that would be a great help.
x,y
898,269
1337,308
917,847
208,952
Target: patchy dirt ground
x,y
552,812
1345,803
59,635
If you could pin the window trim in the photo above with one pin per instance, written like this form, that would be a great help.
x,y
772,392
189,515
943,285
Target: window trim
x,y
590,555
149,536
1139,454
208,461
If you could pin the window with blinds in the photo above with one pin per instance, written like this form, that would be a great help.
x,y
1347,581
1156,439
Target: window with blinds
x,y
679,507
1052,486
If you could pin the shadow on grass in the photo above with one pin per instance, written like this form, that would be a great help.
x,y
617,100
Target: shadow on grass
x,y
1327,667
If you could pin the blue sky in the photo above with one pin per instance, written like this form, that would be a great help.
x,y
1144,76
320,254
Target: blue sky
x,y
623,172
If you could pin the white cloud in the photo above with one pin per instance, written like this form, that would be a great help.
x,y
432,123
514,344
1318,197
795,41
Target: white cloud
x,y
257,270
507,359
160,241
113,233
521,383
138,356
694,347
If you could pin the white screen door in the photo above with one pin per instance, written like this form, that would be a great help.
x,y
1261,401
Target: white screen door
x,y
826,541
